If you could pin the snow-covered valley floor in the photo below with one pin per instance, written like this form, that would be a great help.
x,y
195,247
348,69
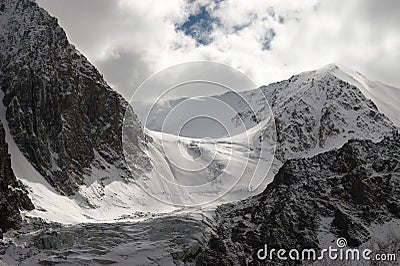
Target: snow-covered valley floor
x,y
166,240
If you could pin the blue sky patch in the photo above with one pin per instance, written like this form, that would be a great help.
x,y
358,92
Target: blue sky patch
x,y
266,42
199,26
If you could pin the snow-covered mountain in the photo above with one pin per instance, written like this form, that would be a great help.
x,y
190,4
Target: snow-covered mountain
x,y
318,110
63,127
200,117
384,96
313,112
67,122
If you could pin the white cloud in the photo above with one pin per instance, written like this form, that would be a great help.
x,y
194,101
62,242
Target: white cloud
x,y
129,40
336,32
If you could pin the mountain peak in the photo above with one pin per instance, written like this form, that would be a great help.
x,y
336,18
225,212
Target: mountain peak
x,y
338,70
385,97
319,110
329,68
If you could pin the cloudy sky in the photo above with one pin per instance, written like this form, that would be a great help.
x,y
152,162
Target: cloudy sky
x,y
269,40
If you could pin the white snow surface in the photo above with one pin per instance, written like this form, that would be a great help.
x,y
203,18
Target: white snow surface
x,y
206,173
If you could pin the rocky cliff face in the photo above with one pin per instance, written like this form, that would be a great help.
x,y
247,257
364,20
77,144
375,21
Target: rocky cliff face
x,y
352,192
63,116
13,196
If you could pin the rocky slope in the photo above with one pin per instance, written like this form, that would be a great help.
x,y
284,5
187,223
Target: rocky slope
x,y
352,192
384,96
63,116
317,111
13,196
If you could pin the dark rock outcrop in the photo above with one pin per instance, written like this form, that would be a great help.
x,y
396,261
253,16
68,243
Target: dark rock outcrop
x,y
340,193
13,196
